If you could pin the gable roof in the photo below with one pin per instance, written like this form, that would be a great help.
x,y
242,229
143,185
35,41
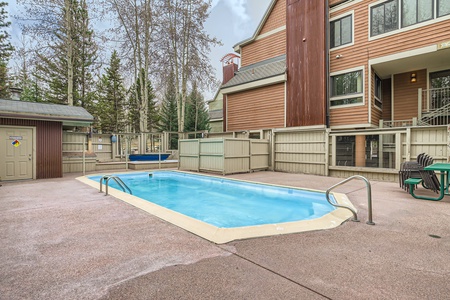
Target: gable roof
x,y
258,29
264,69
68,115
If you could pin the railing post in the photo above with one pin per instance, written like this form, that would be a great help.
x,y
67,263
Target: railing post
x,y
419,97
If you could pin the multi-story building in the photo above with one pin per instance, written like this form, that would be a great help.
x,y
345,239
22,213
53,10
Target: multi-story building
x,y
344,65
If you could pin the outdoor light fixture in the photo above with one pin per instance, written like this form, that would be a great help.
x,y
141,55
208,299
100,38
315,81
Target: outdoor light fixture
x,y
413,77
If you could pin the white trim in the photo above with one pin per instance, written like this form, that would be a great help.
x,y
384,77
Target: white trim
x,y
255,84
362,94
401,29
272,32
405,54
352,13
344,5
353,126
258,29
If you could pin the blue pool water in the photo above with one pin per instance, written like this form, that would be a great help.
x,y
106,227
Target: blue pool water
x,y
222,202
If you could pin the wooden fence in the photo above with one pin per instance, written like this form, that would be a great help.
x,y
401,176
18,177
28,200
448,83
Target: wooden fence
x,y
317,151
224,155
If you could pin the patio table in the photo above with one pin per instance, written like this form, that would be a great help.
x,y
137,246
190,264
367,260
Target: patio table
x,y
444,169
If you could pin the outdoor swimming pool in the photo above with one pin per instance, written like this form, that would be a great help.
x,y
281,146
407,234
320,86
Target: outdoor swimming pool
x,y
224,206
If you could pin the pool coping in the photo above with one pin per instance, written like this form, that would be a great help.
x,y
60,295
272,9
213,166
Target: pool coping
x,y
225,235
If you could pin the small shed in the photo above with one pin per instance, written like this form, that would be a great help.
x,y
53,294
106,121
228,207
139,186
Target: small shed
x,y
31,138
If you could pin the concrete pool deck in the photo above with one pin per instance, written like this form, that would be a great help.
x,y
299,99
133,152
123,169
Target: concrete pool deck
x,y
61,239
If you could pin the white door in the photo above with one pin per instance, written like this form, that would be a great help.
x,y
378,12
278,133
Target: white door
x,y
16,153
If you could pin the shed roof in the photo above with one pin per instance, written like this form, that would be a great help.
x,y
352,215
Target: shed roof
x,y
68,115
260,70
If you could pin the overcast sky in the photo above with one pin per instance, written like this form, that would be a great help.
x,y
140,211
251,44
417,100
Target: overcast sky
x,y
231,21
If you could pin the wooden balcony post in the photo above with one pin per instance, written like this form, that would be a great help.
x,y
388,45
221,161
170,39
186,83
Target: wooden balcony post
x,y
419,97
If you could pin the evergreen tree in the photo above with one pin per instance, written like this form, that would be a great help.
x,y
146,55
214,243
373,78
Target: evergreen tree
x,y
110,108
68,77
135,106
168,120
197,117
5,51
31,91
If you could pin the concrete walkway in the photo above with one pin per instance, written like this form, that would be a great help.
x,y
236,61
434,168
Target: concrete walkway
x,y
61,239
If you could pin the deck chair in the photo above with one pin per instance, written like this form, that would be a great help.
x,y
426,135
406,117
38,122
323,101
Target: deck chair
x,y
410,169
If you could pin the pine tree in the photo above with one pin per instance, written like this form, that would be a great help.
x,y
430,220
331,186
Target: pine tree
x,y
135,106
197,117
168,120
5,51
110,109
68,77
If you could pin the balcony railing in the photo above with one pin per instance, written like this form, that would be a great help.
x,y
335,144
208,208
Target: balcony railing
x,y
434,106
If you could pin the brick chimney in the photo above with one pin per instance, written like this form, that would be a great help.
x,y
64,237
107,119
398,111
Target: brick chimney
x,y
229,66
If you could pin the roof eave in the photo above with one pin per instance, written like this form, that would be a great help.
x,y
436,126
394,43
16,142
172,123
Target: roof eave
x,y
68,121
239,45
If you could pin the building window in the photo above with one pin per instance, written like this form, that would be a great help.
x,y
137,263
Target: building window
x,y
347,88
443,7
341,31
377,151
378,92
384,17
416,11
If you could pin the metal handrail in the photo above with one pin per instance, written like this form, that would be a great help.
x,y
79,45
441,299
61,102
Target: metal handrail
x,y
101,182
369,198
119,181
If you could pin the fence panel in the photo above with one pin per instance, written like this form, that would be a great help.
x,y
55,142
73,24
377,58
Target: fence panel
x,y
189,155
259,154
303,151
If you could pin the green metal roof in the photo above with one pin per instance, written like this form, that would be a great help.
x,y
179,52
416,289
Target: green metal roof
x,y
260,70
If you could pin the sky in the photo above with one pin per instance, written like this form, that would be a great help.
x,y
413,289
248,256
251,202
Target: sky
x,y
231,21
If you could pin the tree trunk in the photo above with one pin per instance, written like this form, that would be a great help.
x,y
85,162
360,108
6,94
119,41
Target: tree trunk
x,y
69,25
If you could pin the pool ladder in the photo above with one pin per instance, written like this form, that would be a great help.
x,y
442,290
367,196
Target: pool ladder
x,y
119,181
369,198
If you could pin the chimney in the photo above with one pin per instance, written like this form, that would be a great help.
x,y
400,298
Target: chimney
x,y
15,93
229,66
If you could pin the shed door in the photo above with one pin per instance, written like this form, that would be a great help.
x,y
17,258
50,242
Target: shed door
x,y
16,153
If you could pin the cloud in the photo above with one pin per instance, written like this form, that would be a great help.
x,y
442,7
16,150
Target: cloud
x,y
241,18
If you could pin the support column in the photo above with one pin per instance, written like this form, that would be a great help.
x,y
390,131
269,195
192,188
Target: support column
x,y
360,151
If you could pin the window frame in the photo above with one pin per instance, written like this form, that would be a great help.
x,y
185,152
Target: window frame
x,y
348,96
417,13
437,17
378,88
371,8
350,14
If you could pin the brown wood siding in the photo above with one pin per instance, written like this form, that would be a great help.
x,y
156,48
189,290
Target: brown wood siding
x,y
406,94
271,46
387,96
306,63
277,17
348,116
48,146
363,50
256,109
